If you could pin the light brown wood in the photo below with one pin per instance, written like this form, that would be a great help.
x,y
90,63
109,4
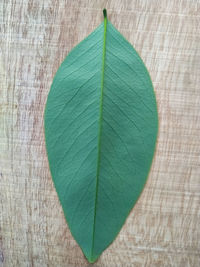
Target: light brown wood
x,y
163,229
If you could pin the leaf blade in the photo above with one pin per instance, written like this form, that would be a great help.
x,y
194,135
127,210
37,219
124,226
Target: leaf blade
x,y
98,168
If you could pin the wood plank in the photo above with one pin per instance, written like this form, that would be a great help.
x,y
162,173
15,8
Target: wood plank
x,y
35,36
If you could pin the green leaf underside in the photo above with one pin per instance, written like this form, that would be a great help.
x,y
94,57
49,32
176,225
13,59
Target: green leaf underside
x,y
100,129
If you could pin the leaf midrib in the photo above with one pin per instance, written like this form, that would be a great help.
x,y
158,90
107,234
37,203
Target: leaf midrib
x,y
100,127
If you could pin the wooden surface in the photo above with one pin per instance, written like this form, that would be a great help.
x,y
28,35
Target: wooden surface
x,y
163,229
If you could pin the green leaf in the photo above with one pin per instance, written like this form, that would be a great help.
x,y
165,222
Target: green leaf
x,y
100,129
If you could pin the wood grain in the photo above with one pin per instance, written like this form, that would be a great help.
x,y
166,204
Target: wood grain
x,y
36,35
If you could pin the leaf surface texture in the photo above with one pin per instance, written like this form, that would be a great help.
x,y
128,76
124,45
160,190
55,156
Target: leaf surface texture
x,y
100,130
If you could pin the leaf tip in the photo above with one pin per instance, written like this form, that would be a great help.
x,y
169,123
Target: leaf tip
x,y
92,258
105,13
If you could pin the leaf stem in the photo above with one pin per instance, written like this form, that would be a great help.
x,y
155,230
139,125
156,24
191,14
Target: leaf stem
x,y
105,13
100,129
